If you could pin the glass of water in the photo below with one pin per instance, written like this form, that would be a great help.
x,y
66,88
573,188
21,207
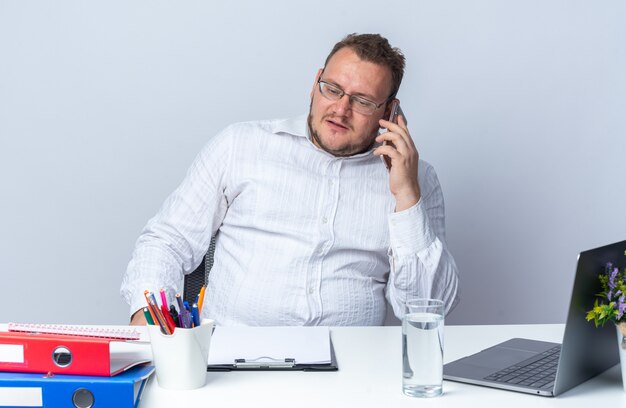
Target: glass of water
x,y
422,348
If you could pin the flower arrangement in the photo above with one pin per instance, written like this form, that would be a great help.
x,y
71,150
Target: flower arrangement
x,y
613,305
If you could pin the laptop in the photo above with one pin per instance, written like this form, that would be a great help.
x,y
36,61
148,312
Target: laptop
x,y
549,369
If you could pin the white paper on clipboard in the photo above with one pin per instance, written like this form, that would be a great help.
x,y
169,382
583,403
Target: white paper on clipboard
x,y
307,345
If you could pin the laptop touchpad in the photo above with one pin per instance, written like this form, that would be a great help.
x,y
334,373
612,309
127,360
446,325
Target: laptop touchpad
x,y
498,357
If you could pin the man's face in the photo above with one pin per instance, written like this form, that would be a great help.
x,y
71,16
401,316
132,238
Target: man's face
x,y
334,126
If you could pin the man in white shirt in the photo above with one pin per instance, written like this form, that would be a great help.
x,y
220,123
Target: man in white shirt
x,y
311,227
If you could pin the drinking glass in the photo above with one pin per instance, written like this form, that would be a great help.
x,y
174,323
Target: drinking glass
x,y
422,348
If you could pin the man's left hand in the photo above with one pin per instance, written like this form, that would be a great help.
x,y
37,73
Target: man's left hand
x,y
401,151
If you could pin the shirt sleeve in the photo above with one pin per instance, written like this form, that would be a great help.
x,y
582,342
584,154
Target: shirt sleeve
x,y
421,265
174,241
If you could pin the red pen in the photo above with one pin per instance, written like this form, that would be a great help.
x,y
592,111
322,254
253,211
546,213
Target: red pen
x,y
168,318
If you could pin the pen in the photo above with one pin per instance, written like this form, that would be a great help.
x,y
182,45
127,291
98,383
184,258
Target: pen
x,y
146,313
201,299
157,313
182,314
196,316
168,318
174,315
163,298
188,316
179,300
145,294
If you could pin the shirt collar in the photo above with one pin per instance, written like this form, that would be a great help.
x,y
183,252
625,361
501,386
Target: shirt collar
x,y
295,126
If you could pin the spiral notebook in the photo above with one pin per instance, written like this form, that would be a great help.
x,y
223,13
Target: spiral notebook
x,y
126,333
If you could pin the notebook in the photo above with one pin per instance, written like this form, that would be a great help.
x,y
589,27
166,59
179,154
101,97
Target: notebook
x,y
586,351
120,333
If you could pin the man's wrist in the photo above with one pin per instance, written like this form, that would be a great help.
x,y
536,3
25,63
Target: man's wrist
x,y
406,200
138,318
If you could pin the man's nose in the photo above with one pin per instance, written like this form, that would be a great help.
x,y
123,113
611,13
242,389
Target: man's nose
x,y
343,105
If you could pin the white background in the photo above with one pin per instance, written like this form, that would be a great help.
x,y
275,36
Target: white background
x,y
519,105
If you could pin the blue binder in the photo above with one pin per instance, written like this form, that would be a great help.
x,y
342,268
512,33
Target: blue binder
x,y
74,391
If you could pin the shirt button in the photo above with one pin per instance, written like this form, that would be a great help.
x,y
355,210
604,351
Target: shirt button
x,y
330,182
324,220
310,291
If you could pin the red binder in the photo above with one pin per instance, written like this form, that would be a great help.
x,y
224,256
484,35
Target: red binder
x,y
65,354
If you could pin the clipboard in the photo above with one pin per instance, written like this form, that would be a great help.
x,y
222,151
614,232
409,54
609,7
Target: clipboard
x,y
276,364
271,349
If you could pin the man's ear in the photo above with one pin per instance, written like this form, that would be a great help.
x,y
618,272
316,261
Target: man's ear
x,y
388,108
317,77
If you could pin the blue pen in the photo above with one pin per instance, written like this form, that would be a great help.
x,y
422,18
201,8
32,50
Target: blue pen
x,y
182,312
189,315
195,314
179,300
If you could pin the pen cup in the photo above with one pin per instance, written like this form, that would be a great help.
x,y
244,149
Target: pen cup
x,y
181,358
422,348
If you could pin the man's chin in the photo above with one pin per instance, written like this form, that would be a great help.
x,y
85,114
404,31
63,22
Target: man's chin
x,y
338,150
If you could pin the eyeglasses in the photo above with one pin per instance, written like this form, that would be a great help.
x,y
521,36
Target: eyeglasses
x,y
357,103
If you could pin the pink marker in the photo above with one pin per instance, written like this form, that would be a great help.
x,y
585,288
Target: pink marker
x,y
163,298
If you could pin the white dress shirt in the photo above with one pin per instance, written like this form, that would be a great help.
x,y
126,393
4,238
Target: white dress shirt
x,y
303,237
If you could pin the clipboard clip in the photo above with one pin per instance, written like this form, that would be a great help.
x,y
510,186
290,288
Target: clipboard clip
x,y
265,362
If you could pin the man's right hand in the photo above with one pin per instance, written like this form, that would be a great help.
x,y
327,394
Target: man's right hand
x,y
138,319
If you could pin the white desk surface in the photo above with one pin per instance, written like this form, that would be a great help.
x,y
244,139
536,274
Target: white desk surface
x,y
369,375
370,365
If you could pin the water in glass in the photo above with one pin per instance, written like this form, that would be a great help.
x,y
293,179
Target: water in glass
x,y
422,354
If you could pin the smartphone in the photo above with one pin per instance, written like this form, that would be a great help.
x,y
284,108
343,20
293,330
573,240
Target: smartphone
x,y
393,117
395,111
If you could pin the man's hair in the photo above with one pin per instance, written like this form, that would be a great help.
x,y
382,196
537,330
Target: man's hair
x,y
376,49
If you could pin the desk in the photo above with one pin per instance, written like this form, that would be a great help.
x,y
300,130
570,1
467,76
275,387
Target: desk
x,y
369,375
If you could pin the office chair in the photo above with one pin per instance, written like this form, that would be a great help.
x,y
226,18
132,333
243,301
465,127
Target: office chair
x,y
200,276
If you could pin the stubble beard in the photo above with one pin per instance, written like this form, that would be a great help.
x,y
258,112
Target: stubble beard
x,y
348,150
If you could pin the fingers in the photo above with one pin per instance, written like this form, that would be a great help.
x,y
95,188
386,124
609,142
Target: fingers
x,y
397,142
395,127
391,154
397,145
397,133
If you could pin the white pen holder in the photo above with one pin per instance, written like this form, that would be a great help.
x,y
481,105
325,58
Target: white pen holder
x,y
181,358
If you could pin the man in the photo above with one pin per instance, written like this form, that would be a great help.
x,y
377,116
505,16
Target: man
x,y
311,228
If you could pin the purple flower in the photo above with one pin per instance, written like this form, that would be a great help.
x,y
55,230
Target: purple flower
x,y
621,307
612,278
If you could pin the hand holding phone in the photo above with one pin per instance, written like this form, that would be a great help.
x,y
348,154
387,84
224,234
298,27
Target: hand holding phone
x,y
393,117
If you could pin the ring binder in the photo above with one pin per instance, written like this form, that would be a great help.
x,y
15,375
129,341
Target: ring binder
x,y
61,390
265,362
68,354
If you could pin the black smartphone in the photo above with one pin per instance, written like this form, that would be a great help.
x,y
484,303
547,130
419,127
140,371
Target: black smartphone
x,y
395,111
393,117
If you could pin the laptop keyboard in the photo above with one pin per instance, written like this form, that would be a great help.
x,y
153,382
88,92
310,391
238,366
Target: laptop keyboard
x,y
537,372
